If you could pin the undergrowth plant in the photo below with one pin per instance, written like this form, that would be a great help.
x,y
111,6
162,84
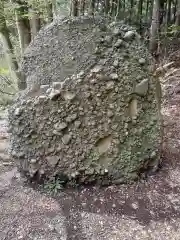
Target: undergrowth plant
x,y
54,186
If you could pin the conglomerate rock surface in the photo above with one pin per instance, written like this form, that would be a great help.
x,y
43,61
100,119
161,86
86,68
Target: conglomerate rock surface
x,y
89,112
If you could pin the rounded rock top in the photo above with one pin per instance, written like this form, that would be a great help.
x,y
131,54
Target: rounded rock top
x,y
70,46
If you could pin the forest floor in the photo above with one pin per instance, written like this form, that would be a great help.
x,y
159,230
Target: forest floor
x,y
149,209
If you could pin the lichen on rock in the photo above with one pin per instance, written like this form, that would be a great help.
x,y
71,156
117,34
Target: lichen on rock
x,y
95,115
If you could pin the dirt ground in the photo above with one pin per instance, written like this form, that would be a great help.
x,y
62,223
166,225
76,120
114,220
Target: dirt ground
x,y
148,209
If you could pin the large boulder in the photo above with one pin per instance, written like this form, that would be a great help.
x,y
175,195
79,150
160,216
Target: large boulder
x,y
90,111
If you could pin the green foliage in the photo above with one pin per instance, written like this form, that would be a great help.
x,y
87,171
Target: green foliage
x,y
173,29
63,6
40,7
4,71
169,32
54,186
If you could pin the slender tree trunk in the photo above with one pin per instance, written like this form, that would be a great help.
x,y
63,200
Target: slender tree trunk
x,y
147,9
161,11
74,8
9,55
82,7
139,17
54,6
107,6
24,33
178,13
168,11
113,8
6,37
92,7
174,11
119,10
124,5
23,24
50,12
35,22
151,11
12,62
131,10
97,5
154,30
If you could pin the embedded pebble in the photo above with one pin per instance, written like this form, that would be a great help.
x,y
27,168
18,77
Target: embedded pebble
x,y
118,43
114,76
17,112
129,35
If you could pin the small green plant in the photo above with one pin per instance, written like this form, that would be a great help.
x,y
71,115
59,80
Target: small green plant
x,y
54,186
171,31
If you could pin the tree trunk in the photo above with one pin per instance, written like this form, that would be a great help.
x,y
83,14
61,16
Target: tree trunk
x,y
107,6
173,10
119,10
50,12
168,11
12,62
54,6
124,5
147,10
92,7
161,12
97,5
74,8
178,13
150,11
24,33
82,7
154,30
10,57
113,9
15,73
35,22
23,25
131,10
139,17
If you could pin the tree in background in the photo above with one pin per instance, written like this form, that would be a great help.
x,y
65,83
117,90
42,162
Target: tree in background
x,y
21,10
7,45
20,21
155,26
178,13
